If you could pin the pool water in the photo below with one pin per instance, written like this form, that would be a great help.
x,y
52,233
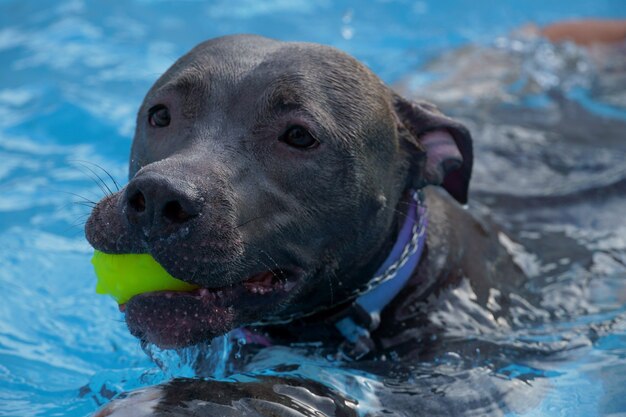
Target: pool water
x,y
548,123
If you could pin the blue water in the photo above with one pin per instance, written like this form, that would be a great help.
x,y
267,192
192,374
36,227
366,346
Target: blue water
x,y
73,74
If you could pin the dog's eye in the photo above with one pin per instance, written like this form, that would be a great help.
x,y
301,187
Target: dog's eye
x,y
299,137
159,116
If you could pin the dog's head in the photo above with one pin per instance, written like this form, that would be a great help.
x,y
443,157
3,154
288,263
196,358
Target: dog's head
x,y
272,175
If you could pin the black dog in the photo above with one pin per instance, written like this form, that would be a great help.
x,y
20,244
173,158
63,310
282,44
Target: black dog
x,y
288,182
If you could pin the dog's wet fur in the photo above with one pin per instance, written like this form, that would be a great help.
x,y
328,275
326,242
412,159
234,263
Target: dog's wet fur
x,y
275,176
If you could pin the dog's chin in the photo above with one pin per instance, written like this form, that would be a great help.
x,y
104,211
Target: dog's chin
x,y
175,319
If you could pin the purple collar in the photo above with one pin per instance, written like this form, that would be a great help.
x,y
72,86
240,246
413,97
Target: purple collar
x,y
363,316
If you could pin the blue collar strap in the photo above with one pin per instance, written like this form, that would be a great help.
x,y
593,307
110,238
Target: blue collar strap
x,y
363,316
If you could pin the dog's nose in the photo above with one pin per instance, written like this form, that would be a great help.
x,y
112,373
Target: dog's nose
x,y
154,202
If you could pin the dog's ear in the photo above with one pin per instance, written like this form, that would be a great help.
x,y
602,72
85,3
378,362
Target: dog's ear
x,y
441,147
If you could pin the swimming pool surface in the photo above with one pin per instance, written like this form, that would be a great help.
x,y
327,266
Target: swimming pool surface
x,y
74,73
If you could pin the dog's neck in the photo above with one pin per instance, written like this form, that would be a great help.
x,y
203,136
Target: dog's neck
x,y
355,321
363,315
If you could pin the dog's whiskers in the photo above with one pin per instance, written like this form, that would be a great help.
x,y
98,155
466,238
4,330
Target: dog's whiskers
x,y
85,199
89,204
117,185
96,178
404,215
282,273
268,268
249,221
79,222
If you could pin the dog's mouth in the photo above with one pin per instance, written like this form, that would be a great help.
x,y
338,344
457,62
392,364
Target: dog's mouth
x,y
173,319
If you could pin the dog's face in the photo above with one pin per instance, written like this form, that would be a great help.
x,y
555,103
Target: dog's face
x,y
270,175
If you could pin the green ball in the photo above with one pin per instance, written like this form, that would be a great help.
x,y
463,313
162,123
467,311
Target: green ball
x,y
124,276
